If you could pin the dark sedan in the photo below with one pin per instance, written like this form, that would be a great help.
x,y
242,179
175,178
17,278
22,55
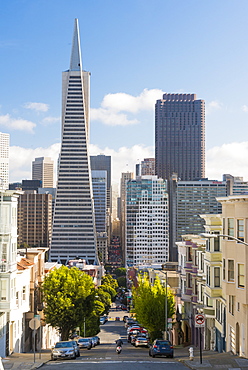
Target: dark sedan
x,y
161,347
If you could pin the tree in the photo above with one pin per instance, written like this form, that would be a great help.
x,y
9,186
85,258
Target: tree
x,y
149,306
111,291
120,271
105,298
68,294
109,280
122,281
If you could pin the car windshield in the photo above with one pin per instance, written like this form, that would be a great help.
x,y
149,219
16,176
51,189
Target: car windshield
x,y
63,344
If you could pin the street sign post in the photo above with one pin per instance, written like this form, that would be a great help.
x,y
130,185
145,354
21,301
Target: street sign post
x,y
200,323
34,324
199,320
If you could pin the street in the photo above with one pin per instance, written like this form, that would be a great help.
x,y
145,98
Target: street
x,y
104,356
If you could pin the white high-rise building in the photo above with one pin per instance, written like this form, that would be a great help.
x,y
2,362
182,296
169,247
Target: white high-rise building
x,y
42,169
4,160
74,232
147,221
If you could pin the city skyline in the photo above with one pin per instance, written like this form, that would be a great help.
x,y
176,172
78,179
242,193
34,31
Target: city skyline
x,y
193,47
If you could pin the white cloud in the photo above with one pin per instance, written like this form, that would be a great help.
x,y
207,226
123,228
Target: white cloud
x,y
111,118
50,120
113,106
20,160
213,106
245,108
40,107
17,123
229,158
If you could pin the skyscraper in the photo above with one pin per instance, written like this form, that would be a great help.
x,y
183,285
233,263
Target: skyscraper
x,y
180,137
147,221
4,160
99,186
74,233
42,169
102,162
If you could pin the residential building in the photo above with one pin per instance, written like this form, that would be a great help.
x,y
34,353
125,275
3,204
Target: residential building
x,y
9,321
4,160
35,219
234,271
74,232
99,186
147,221
42,169
180,137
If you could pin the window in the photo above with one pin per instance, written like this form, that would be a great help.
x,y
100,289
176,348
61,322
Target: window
x,y
241,275
231,304
217,277
217,244
224,269
208,281
230,224
230,267
240,229
3,291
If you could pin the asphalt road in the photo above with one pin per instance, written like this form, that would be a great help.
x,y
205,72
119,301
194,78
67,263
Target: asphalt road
x,y
104,357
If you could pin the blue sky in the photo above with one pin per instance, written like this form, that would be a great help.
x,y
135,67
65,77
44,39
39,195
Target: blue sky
x,y
135,51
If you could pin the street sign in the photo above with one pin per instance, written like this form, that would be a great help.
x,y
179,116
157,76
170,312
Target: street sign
x,y
199,320
34,324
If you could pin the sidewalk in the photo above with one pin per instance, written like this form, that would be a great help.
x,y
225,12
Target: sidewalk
x,y
210,360
25,361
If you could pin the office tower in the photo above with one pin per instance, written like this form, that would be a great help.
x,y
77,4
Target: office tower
x,y
35,219
125,176
235,185
74,233
4,160
195,198
99,185
102,162
147,167
102,247
147,221
42,169
31,185
180,137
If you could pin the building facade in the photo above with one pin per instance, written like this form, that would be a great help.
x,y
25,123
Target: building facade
x,y
180,137
147,221
35,219
42,169
74,232
102,162
99,186
4,160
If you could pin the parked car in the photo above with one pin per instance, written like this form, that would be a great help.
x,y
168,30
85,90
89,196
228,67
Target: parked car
x,y
85,343
125,317
141,342
63,349
95,340
76,346
103,319
161,347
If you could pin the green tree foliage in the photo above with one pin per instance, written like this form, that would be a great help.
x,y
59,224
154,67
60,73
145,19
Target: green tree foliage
x,y
109,280
92,324
120,271
108,289
69,296
122,281
104,298
149,306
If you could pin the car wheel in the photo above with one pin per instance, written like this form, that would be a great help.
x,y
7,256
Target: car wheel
x,y
153,356
172,356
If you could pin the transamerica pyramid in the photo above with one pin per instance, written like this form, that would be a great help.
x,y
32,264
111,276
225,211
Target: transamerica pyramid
x,y
74,233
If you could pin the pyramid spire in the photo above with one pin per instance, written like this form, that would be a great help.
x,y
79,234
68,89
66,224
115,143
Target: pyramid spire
x,y
76,61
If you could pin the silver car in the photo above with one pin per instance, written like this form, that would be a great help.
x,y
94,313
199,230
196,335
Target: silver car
x,y
64,349
85,343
